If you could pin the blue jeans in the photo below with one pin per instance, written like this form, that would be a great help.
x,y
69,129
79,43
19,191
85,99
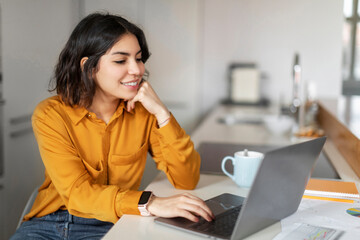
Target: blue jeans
x,y
62,225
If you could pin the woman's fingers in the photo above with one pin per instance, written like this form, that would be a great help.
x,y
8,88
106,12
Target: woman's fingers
x,y
150,100
198,206
183,205
198,210
131,103
203,204
188,215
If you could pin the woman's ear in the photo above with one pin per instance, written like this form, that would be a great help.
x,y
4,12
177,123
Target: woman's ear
x,y
82,62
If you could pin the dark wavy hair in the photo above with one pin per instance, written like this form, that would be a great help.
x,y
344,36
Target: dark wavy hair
x,y
92,38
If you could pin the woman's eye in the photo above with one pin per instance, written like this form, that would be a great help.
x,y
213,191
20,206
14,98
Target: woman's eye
x,y
120,61
139,59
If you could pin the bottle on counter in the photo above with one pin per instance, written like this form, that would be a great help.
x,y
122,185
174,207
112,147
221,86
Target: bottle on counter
x,y
297,107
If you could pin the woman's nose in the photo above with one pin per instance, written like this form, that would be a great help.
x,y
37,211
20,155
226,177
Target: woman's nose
x,y
134,68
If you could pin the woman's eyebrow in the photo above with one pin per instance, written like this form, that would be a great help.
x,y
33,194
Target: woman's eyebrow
x,y
125,53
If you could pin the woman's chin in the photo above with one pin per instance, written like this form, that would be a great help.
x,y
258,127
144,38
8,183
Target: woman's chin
x,y
128,97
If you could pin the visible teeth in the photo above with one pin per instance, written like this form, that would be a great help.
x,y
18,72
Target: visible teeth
x,y
130,84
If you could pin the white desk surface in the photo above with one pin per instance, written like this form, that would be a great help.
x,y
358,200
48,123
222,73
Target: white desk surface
x,y
137,227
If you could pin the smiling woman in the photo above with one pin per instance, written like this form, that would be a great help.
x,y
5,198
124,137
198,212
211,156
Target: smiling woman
x,y
94,136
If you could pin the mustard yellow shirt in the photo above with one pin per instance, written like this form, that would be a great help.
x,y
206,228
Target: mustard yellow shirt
x,y
94,169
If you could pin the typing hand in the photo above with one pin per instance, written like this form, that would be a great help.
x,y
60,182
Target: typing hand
x,y
183,205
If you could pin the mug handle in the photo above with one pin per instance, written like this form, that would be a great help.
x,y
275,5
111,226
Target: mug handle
x,y
223,167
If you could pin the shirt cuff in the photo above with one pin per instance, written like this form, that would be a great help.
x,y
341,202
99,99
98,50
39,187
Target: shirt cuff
x,y
171,131
127,202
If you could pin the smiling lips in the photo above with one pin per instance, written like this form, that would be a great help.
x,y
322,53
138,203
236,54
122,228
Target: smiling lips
x,y
131,84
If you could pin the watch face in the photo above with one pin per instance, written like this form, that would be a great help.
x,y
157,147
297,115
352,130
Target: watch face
x,y
144,197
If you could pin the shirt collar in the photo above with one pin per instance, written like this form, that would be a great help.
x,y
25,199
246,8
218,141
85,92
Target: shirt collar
x,y
77,113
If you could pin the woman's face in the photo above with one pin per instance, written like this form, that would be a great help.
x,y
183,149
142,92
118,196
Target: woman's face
x,y
120,70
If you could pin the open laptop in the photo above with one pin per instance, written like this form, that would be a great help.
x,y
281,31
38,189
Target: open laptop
x,y
275,194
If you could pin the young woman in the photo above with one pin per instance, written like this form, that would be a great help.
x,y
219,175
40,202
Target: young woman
x,y
94,136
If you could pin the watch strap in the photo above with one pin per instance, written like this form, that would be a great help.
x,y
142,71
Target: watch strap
x,y
144,200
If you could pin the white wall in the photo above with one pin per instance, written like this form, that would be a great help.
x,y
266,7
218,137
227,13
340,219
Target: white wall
x,y
269,33
173,34
128,9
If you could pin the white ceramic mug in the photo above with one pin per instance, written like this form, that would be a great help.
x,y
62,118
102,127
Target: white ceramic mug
x,y
246,164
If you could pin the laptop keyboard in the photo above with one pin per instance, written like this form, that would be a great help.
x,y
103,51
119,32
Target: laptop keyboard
x,y
223,225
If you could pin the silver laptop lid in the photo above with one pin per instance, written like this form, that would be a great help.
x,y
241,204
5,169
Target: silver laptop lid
x,y
278,187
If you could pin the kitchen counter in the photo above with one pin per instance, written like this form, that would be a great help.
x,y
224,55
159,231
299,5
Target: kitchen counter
x,y
248,129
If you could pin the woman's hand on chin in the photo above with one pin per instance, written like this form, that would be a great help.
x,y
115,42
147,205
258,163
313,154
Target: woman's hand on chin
x,y
150,100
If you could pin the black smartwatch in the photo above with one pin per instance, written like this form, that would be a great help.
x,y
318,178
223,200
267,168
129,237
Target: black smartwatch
x,y
143,202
